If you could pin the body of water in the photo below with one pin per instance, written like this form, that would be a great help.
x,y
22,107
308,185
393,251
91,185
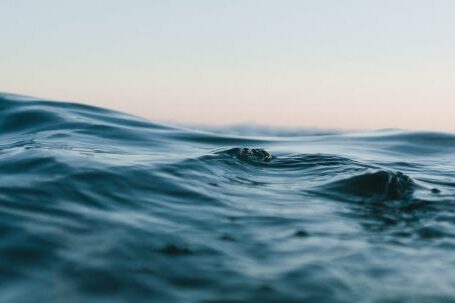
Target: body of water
x,y
99,206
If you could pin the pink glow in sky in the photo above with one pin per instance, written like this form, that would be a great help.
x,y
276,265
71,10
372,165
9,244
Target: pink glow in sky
x,y
327,64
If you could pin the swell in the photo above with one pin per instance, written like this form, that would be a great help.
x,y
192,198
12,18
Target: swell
x,y
419,143
379,185
339,177
98,205
54,130
23,117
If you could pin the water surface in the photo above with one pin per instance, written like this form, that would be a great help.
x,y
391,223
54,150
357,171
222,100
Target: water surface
x,y
99,206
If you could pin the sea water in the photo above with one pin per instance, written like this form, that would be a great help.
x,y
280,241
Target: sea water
x,y
100,206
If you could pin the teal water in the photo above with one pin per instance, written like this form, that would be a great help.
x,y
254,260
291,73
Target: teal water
x,y
99,206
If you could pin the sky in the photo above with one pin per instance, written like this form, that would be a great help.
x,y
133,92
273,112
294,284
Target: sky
x,y
326,64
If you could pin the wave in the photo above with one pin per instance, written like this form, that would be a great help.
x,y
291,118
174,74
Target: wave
x,y
100,205
379,185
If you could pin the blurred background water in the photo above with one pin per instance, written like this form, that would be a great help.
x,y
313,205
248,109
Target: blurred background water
x,y
100,206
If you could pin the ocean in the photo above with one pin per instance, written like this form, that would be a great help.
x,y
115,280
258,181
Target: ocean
x,y
101,206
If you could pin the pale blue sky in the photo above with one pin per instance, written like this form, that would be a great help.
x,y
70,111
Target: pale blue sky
x,y
328,64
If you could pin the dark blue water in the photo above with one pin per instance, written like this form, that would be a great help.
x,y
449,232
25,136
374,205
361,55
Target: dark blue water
x,y
99,206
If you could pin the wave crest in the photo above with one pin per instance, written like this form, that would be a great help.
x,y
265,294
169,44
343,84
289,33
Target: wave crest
x,y
377,185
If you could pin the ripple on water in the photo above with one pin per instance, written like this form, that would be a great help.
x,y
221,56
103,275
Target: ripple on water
x,y
97,205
